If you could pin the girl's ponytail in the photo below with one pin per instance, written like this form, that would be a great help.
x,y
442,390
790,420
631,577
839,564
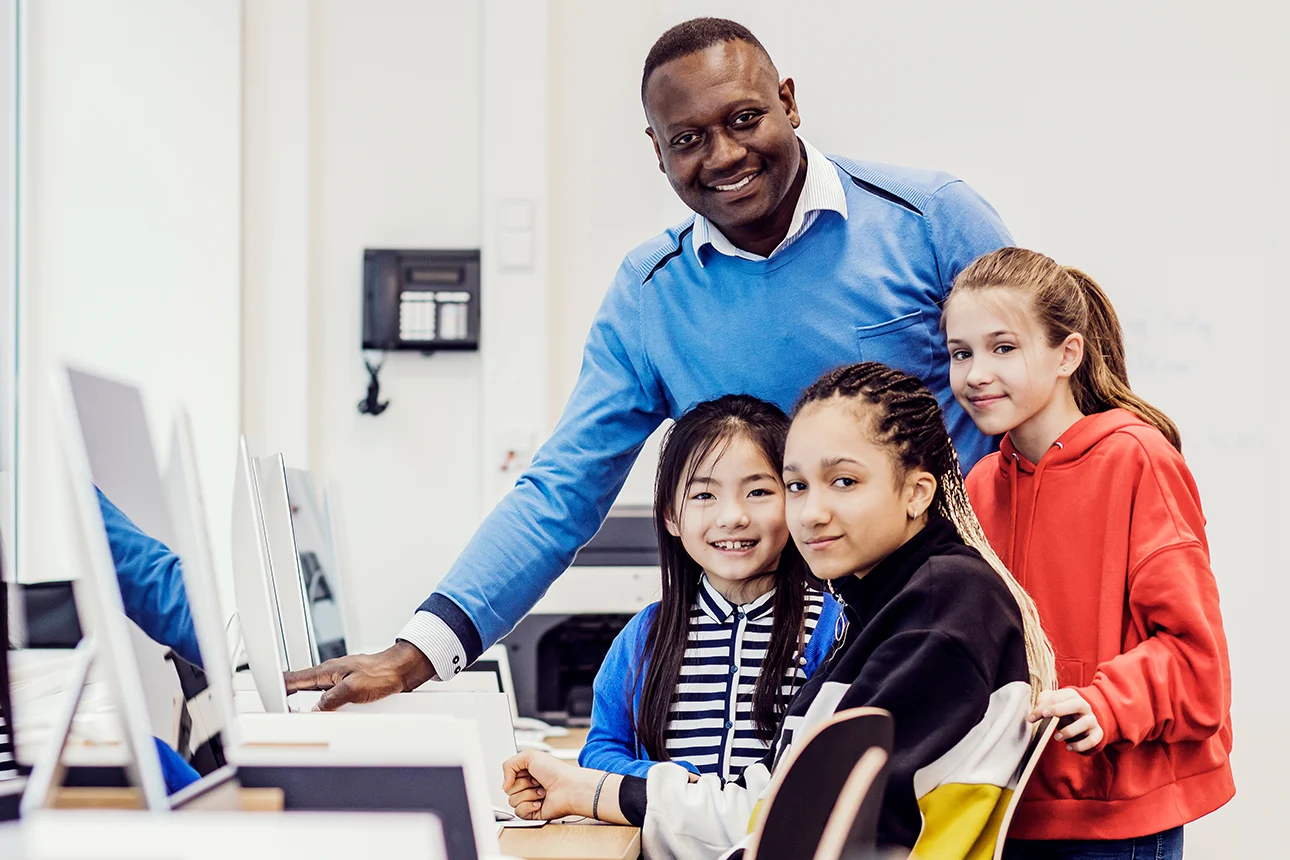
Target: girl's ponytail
x,y
1102,380
1067,301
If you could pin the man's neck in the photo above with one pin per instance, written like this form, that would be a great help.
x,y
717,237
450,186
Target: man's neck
x,y
763,237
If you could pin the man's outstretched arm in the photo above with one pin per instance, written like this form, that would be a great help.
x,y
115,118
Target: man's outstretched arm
x,y
530,538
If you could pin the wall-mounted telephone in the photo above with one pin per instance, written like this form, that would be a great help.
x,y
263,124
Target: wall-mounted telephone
x,y
420,300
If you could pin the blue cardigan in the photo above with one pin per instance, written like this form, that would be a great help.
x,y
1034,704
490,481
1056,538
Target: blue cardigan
x,y
612,743
867,287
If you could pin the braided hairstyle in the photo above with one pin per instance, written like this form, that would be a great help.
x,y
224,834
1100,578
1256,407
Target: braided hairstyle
x,y
904,417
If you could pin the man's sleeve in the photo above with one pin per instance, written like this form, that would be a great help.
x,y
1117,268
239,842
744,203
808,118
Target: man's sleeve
x,y
152,584
961,226
560,502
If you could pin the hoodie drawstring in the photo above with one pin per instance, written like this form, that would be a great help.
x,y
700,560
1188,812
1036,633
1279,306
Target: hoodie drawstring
x,y
1012,517
1037,477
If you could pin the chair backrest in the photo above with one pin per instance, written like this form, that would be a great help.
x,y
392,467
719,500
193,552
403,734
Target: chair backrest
x,y
801,796
1034,750
853,825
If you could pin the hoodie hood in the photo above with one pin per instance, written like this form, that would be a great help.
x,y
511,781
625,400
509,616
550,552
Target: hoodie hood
x,y
1025,478
1077,441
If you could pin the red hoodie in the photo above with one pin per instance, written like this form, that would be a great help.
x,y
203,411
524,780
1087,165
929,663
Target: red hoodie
x,y
1107,535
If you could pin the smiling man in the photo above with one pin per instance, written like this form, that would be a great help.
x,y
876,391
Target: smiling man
x,y
793,263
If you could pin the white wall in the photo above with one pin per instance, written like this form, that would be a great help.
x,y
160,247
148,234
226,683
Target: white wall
x,y
1143,143
130,196
606,180
8,275
363,132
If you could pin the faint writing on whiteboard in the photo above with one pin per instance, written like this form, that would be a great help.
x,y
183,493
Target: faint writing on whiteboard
x,y
1166,344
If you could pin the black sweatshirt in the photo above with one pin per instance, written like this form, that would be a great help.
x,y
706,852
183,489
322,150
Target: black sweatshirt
x,y
933,636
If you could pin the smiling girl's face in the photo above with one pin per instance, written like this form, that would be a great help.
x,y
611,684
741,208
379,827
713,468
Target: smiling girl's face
x,y
847,507
732,518
1003,371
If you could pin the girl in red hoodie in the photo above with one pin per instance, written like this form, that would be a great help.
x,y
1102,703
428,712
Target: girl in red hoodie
x,y
1091,505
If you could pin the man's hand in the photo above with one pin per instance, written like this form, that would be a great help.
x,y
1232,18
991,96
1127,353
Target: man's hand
x,y
363,677
1078,725
541,787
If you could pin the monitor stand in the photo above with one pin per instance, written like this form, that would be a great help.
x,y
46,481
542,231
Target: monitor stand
x,y
49,771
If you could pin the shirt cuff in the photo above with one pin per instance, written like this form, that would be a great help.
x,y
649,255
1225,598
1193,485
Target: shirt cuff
x,y
632,799
435,639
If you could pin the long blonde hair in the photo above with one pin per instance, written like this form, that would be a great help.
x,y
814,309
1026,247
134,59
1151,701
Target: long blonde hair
x,y
1066,301
908,419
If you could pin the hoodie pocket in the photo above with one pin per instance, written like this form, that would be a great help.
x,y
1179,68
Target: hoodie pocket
x,y
1068,775
905,343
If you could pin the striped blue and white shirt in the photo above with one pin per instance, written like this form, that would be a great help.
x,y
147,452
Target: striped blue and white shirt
x,y
711,723
710,727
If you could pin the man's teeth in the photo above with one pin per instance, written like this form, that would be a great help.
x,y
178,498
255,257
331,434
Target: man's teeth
x,y
735,544
740,184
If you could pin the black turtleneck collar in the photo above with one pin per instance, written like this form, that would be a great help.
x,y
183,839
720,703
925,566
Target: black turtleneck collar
x,y
865,596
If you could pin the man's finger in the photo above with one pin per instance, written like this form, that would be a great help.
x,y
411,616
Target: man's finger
x,y
341,694
306,679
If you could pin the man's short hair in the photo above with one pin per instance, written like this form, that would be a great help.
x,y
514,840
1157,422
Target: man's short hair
x,y
690,37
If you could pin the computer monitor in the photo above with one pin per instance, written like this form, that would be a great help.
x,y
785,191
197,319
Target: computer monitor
x,y
319,563
257,605
193,543
284,563
103,421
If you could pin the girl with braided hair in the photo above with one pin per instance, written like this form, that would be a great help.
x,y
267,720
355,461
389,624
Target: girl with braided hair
x,y
934,630
1090,503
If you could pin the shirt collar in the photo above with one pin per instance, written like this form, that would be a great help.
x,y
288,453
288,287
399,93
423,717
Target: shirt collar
x,y
716,607
821,192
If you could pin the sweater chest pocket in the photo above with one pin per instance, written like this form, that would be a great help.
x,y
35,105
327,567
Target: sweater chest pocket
x,y
905,343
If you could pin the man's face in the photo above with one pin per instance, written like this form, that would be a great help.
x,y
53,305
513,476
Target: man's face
x,y
722,127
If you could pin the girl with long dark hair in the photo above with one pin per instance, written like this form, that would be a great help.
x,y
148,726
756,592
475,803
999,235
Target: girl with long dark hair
x,y
704,676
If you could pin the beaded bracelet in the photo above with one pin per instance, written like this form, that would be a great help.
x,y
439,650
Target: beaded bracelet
x,y
595,801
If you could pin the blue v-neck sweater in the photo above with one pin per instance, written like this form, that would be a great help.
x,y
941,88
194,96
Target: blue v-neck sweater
x,y
675,330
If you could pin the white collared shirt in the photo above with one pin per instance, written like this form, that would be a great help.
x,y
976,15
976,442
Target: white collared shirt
x,y
821,192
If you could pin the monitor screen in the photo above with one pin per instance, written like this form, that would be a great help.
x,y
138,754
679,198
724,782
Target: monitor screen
x,y
150,551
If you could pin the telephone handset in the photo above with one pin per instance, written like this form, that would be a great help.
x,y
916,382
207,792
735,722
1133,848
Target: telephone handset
x,y
420,300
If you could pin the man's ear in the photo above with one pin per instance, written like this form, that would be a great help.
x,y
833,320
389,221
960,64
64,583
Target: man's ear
x,y
920,491
657,152
788,98
1072,354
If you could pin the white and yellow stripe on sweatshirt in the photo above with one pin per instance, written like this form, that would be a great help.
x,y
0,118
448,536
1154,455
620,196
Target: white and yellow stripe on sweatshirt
x,y
963,794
